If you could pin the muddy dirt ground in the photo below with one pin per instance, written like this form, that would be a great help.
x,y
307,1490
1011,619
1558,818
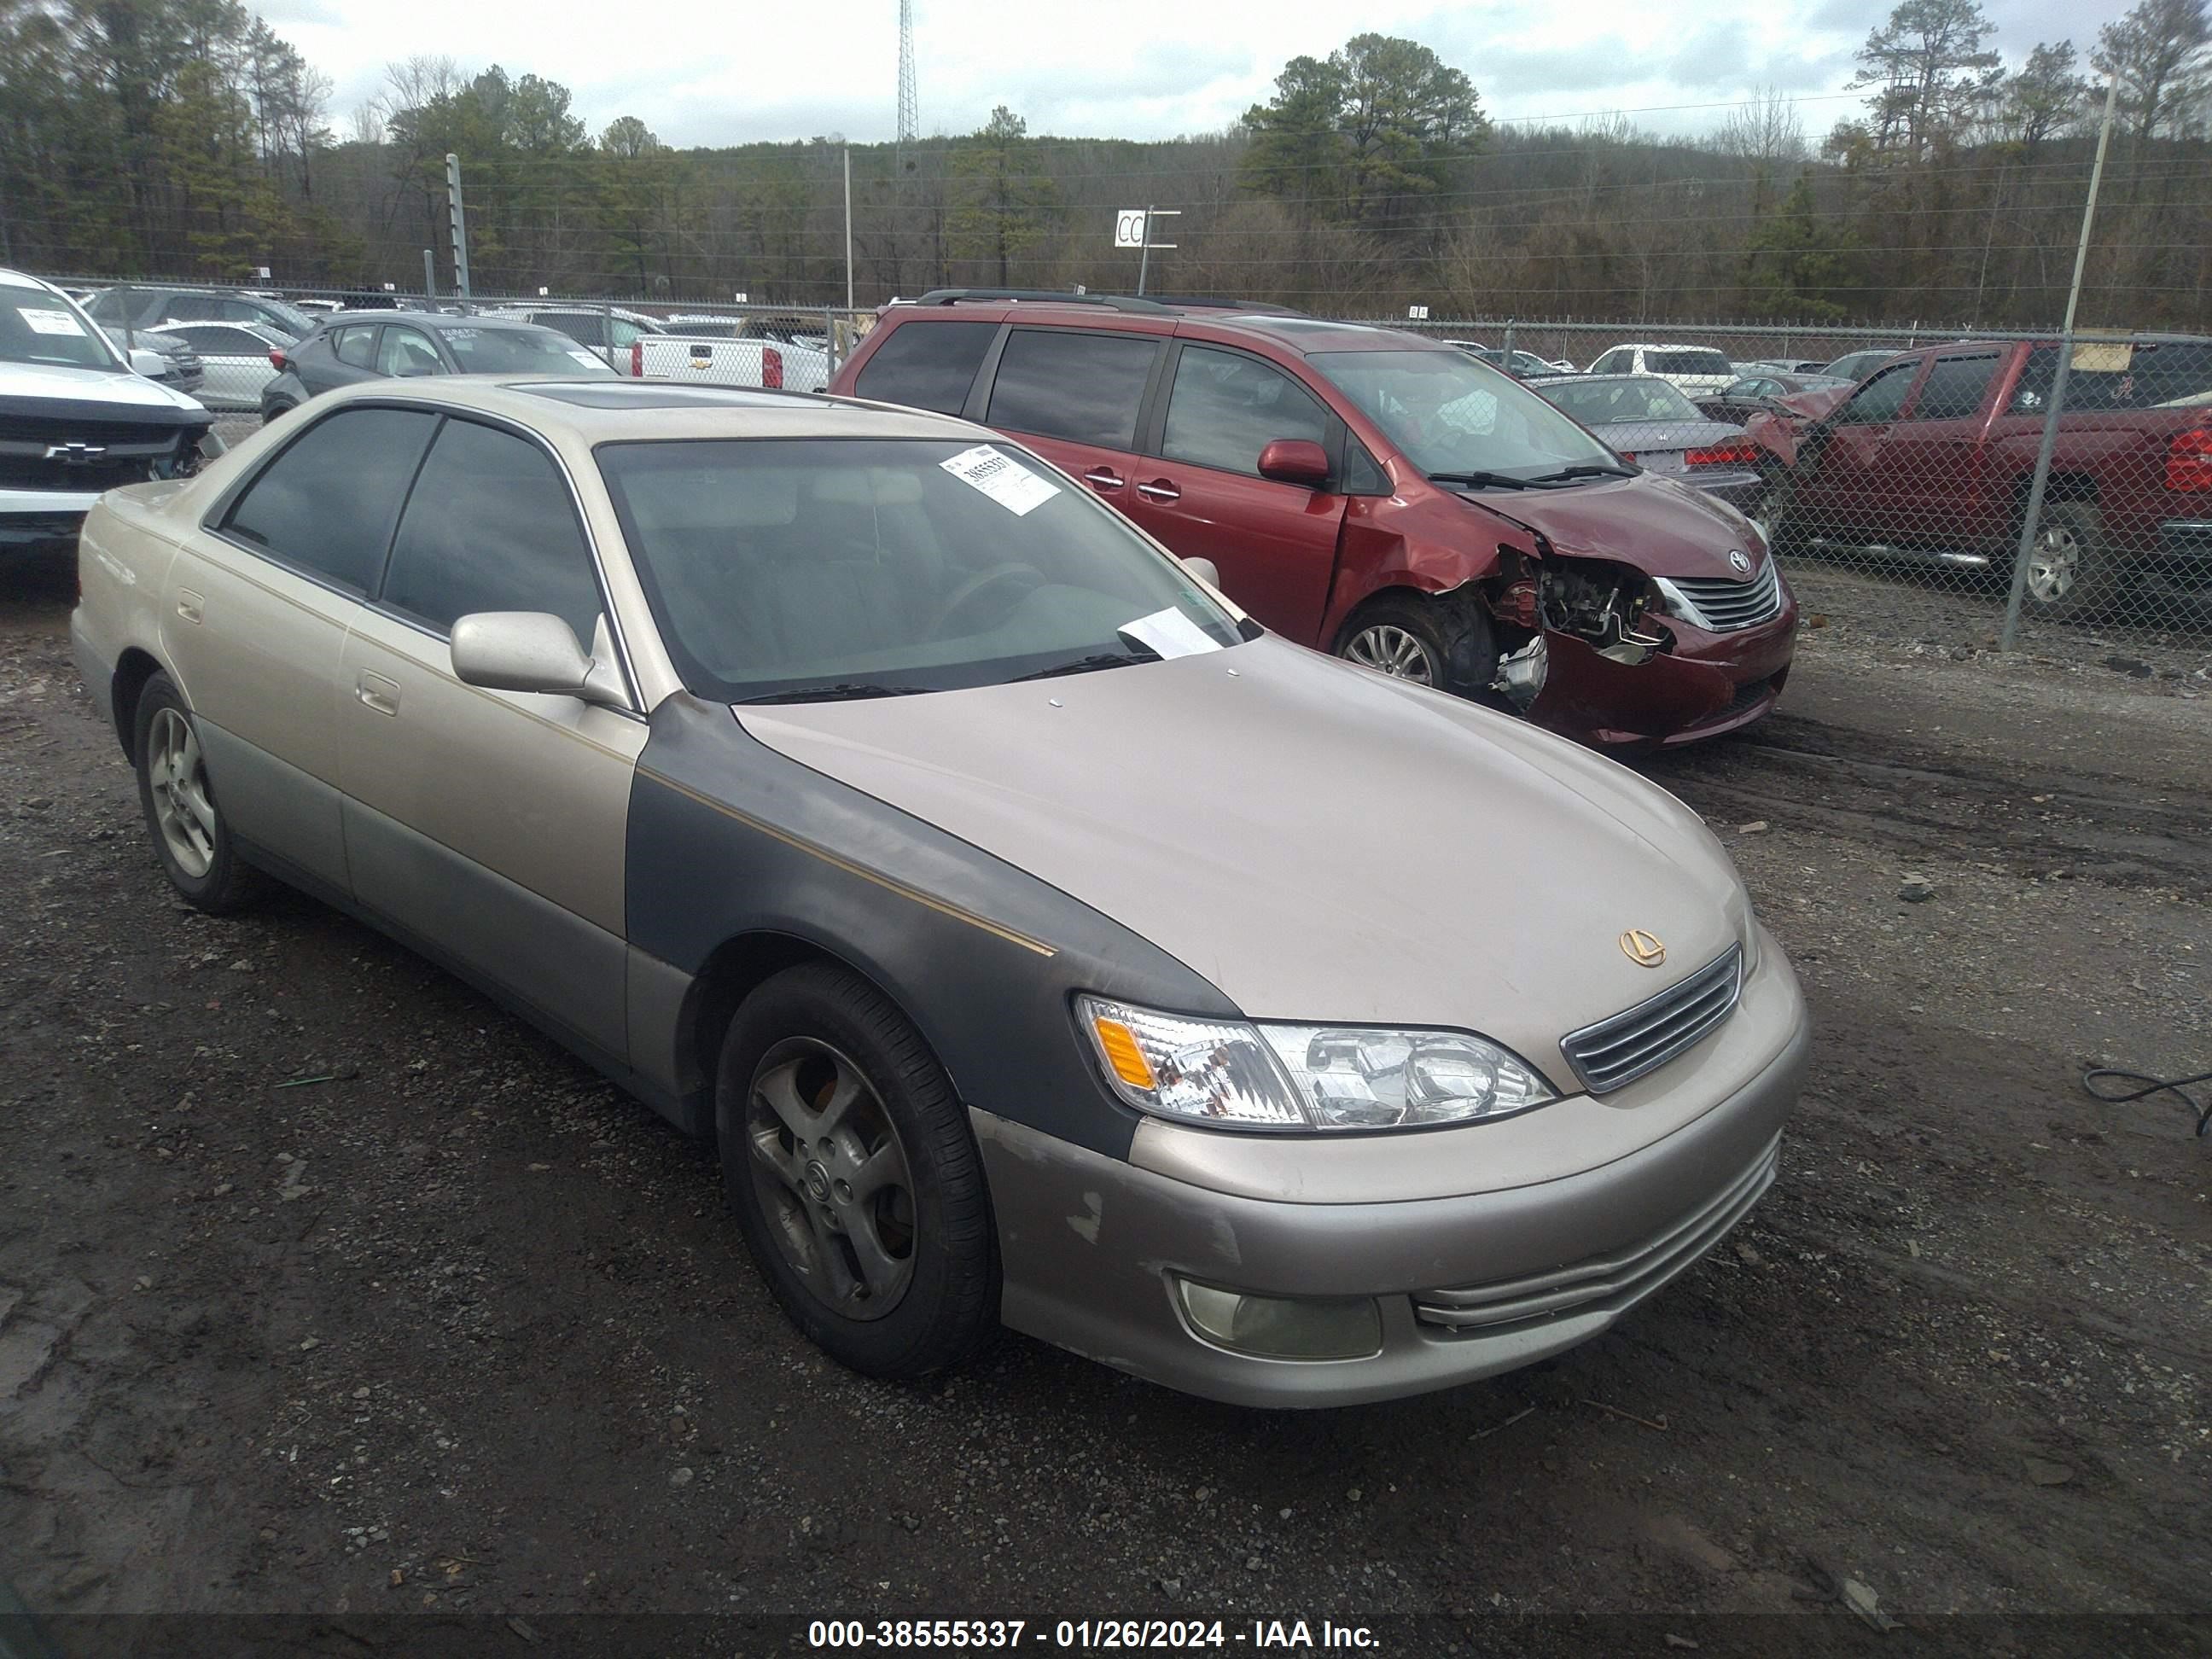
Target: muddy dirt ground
x,y
326,1288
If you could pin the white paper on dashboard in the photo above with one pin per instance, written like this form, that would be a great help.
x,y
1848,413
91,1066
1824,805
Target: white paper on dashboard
x,y
51,322
1169,633
1001,477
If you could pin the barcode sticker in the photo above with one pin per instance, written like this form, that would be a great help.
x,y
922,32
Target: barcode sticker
x,y
1001,477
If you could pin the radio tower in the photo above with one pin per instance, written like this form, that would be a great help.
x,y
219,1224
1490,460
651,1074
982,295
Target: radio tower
x,y
909,114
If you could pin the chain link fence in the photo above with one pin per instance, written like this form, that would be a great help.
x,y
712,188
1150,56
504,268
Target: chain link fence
x,y
1940,487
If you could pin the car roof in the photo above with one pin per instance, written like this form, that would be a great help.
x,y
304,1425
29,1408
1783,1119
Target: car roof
x,y
432,320
617,409
1301,336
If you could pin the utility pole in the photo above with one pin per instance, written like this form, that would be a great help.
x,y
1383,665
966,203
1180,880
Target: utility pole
x,y
849,227
458,221
429,277
2031,524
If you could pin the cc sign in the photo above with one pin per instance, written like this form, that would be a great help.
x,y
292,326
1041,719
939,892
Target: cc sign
x,y
1129,227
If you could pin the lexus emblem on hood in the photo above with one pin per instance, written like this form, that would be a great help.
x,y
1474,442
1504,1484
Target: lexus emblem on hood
x,y
1739,561
1643,949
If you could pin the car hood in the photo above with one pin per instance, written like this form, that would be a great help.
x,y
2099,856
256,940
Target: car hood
x,y
1642,437
1321,842
25,386
1654,524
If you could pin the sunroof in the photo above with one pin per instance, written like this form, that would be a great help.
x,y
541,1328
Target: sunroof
x,y
647,394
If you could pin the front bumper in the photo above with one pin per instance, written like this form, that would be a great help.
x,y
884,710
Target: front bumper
x,y
1467,1284
42,516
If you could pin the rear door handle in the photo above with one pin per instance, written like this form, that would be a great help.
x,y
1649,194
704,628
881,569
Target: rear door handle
x,y
189,603
378,693
1104,477
1159,490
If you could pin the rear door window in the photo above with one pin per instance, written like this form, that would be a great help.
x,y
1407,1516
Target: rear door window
x,y
355,346
490,526
928,365
1082,388
407,351
1226,408
326,504
1955,388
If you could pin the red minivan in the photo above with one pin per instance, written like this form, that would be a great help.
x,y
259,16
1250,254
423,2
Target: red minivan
x,y
1376,494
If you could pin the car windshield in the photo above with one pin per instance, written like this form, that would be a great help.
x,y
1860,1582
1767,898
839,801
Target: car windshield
x,y
1617,402
1687,363
1448,414
526,350
38,327
791,568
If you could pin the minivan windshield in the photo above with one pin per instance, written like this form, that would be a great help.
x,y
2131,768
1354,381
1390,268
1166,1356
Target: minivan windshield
x,y
38,327
1449,414
797,569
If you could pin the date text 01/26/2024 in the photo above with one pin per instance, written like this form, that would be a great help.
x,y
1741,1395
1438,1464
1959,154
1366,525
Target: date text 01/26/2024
x,y
1087,1635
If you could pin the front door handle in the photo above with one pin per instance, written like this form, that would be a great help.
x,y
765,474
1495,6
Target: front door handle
x,y
1104,477
1159,490
378,693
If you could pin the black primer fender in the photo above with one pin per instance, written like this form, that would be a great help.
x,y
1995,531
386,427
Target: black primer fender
x,y
727,837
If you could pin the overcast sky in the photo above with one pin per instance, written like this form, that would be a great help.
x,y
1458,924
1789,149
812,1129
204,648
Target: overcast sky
x,y
708,72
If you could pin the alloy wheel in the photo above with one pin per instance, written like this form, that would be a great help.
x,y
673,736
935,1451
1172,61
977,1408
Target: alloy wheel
x,y
183,810
832,1178
1395,651
2055,563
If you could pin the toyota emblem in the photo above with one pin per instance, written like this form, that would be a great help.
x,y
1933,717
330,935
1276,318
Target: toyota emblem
x,y
1739,561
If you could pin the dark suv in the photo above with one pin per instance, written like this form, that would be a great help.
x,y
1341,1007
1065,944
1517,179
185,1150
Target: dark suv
x,y
135,307
1376,495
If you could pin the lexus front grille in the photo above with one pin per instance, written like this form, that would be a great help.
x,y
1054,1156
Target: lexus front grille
x,y
1619,1049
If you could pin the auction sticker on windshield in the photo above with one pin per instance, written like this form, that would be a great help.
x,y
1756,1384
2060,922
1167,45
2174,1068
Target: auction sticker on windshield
x,y
1001,477
51,322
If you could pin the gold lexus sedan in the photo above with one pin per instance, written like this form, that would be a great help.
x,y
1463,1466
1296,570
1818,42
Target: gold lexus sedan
x,y
1042,941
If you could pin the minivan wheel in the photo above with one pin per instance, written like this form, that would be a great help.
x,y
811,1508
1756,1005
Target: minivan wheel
x,y
190,836
1444,643
848,1157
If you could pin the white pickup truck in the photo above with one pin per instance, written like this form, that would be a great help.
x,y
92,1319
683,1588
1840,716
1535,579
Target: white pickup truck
x,y
791,366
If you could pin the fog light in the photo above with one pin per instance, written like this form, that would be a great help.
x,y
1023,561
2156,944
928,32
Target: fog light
x,y
1284,1327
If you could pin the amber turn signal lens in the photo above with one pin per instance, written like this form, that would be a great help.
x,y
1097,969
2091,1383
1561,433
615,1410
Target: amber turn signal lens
x,y
1123,1055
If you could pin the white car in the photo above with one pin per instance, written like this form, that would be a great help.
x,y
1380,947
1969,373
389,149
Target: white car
x,y
1694,371
235,358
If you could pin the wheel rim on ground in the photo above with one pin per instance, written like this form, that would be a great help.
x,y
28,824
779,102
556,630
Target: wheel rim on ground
x,y
1395,651
2055,565
182,810
832,1178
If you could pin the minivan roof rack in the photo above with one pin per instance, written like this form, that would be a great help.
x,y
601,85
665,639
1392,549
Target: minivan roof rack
x,y
947,296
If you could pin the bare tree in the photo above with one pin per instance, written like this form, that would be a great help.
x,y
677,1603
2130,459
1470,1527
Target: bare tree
x,y
1766,130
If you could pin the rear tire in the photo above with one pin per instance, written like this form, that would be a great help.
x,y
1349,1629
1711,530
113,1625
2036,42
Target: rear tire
x,y
271,412
1443,642
847,1159
2072,575
191,836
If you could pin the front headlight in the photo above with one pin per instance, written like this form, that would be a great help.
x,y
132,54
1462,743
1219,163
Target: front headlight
x,y
1231,1074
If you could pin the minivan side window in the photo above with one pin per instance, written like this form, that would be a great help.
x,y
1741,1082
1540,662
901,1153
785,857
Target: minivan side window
x,y
928,365
1955,388
326,504
1880,399
1083,388
490,526
1226,408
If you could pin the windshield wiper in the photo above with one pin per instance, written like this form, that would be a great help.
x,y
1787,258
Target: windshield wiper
x,y
839,691
1095,661
1487,480
1588,470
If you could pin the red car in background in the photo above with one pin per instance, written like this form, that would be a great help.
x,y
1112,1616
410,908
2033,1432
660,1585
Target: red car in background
x,y
1376,494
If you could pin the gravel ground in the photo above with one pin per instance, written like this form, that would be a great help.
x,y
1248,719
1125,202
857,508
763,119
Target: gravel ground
x,y
327,1288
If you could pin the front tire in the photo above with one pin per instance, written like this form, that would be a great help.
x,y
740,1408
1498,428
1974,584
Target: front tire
x,y
1444,643
847,1156
2072,575
190,837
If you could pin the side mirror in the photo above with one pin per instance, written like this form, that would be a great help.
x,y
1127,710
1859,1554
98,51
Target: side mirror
x,y
1205,570
530,651
1295,460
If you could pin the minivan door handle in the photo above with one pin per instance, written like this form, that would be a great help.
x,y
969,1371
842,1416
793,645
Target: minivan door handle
x,y
378,693
1160,489
1104,477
